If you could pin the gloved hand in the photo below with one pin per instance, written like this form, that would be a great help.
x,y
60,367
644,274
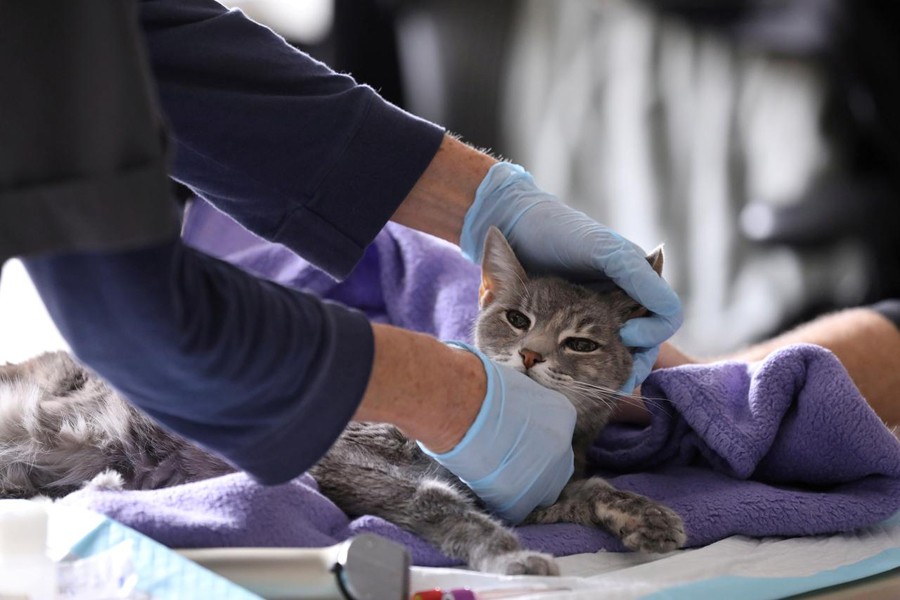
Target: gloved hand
x,y
517,454
549,237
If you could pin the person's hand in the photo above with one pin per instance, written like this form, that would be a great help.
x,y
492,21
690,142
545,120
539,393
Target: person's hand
x,y
517,455
552,238
670,356
633,409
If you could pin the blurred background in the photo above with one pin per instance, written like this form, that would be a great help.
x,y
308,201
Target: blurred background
x,y
758,139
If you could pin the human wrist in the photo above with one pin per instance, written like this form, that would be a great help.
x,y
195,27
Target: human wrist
x,y
430,391
438,202
469,448
466,397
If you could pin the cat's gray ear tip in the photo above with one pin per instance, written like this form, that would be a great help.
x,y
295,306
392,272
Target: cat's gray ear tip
x,y
656,257
494,233
495,241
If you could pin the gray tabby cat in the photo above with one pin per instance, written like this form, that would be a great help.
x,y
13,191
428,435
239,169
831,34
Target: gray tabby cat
x,y
61,426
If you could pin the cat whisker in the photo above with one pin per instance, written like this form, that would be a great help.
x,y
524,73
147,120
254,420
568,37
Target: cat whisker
x,y
593,399
610,390
657,402
594,395
621,396
598,388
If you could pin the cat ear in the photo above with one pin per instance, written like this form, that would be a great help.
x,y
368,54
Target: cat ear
x,y
628,307
655,258
500,269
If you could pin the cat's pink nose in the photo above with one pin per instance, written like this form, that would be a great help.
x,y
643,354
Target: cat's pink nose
x,y
530,357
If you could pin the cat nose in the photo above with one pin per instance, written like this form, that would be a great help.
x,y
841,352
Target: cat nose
x,y
530,357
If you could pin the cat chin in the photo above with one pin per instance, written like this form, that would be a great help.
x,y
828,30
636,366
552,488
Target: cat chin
x,y
535,374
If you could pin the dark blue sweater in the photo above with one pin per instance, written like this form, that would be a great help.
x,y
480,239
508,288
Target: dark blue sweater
x,y
266,377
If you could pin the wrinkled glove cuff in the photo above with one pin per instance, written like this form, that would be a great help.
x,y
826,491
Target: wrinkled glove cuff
x,y
469,454
487,210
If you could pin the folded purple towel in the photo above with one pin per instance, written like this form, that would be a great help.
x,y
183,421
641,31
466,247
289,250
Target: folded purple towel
x,y
782,448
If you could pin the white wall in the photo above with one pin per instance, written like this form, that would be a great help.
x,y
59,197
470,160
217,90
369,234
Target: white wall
x,y
25,327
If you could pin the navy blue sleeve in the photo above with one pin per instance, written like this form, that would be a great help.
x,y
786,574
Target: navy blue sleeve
x,y
264,376
294,152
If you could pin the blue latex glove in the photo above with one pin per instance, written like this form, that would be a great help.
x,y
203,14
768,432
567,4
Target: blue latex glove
x,y
517,454
552,238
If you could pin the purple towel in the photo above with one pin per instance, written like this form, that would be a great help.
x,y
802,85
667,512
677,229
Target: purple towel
x,y
405,278
782,448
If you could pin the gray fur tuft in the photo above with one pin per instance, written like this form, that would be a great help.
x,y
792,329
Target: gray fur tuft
x,y
62,426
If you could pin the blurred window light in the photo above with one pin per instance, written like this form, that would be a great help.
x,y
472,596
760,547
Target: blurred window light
x,y
26,328
758,221
301,21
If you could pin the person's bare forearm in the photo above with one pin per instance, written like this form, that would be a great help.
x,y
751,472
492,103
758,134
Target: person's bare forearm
x,y
431,391
868,345
438,202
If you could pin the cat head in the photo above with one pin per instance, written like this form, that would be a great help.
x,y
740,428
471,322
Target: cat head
x,y
562,335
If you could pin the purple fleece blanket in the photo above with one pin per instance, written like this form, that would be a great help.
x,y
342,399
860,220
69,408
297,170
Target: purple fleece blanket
x,y
782,448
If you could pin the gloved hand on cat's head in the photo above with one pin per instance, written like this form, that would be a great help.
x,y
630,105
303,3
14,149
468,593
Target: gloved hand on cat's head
x,y
517,455
549,237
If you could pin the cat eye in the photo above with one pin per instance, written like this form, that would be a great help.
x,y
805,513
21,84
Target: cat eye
x,y
581,344
517,319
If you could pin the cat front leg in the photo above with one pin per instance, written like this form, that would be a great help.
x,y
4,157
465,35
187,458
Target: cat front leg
x,y
641,523
450,520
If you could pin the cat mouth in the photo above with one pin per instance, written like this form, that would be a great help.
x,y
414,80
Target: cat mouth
x,y
536,375
541,378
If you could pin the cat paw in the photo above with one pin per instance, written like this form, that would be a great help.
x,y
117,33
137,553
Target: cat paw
x,y
108,480
642,524
655,529
521,562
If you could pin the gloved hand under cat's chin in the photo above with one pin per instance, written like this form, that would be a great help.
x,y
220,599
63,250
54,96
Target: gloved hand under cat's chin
x,y
511,464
